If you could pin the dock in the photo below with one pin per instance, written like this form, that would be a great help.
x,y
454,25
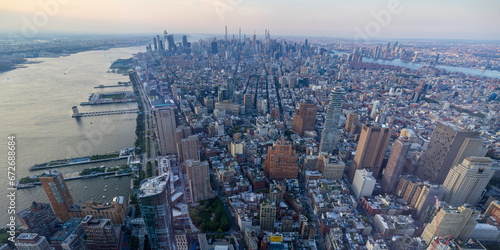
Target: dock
x,y
100,113
111,86
110,98
47,165
107,102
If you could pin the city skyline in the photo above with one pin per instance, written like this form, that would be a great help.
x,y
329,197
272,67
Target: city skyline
x,y
391,19
270,141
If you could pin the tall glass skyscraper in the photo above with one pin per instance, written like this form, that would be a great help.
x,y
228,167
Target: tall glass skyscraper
x,y
329,136
156,208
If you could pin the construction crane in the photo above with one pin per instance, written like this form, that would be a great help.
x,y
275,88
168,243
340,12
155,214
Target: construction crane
x,y
437,241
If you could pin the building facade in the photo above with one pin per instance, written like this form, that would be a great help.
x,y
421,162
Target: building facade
x,y
444,147
304,118
267,216
39,219
115,210
156,208
331,167
281,162
101,235
165,123
370,152
58,193
363,183
191,148
330,133
459,222
395,164
31,241
198,180
467,181
351,120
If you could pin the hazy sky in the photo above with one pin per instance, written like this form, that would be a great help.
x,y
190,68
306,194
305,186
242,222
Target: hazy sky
x,y
467,19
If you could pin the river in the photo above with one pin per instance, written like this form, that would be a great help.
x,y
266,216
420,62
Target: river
x,y
415,66
35,107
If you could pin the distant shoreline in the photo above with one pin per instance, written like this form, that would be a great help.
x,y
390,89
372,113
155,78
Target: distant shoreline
x,y
25,61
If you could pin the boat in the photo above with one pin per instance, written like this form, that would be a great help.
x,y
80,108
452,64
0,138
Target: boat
x,y
116,189
85,187
24,186
105,190
106,177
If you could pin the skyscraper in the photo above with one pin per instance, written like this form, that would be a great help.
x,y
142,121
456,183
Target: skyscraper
x,y
395,165
160,43
254,41
165,122
427,197
198,180
230,88
31,241
171,43
466,182
181,133
185,43
470,147
156,208
214,47
371,148
40,219
446,143
191,148
351,120
375,107
101,234
58,193
281,162
459,222
304,118
329,135
225,35
248,102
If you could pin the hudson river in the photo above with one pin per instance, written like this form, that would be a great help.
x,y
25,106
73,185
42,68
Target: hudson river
x,y
35,107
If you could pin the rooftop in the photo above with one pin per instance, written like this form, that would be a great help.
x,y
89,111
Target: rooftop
x,y
27,236
153,186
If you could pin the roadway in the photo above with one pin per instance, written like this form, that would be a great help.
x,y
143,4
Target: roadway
x,y
149,125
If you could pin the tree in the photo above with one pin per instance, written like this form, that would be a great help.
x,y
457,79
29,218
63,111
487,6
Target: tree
x,y
224,223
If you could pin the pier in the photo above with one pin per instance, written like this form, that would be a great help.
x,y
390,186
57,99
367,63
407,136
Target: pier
x,y
47,165
99,113
106,176
110,98
112,86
